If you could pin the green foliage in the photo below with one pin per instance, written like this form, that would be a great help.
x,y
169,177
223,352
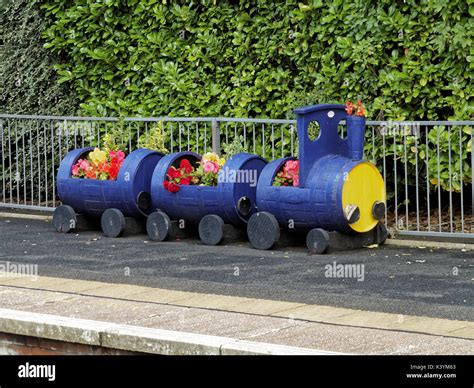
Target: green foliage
x,y
205,179
154,139
27,80
112,141
235,147
405,60
431,152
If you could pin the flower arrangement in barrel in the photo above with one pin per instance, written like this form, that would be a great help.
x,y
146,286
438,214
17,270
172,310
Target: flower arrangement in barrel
x,y
104,164
288,174
99,164
206,173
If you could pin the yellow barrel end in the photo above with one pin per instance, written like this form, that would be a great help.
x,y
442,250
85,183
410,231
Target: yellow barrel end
x,y
364,190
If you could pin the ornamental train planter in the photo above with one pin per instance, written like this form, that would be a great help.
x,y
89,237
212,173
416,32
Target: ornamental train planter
x,y
219,211
340,198
120,203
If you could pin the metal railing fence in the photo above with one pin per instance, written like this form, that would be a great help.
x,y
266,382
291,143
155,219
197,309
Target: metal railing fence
x,y
428,166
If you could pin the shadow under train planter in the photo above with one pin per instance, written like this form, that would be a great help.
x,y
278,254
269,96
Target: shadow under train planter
x,y
221,212
121,205
340,198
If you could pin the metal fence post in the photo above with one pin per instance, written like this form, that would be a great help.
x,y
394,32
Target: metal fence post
x,y
472,174
216,137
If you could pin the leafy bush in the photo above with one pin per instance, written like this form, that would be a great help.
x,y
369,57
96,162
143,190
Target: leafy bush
x,y
154,139
406,60
234,147
430,151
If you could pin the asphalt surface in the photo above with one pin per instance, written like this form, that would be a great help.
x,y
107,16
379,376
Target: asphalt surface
x,y
415,281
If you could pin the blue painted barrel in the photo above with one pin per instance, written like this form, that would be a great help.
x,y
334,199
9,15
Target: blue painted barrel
x,y
130,192
334,181
192,202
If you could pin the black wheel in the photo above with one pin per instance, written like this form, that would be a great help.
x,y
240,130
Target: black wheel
x,y
211,229
112,223
64,219
158,226
263,230
317,240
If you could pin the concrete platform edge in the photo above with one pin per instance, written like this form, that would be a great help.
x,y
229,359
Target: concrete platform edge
x,y
137,339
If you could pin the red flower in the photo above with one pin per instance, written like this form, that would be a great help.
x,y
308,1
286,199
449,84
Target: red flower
x,y
173,187
91,174
113,170
349,107
173,173
186,165
356,110
178,176
360,109
185,181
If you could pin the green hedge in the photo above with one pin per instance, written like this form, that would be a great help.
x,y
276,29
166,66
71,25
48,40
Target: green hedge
x,y
405,59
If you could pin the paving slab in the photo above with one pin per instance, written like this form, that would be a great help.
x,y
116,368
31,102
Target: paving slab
x,y
239,326
263,307
289,310
357,340
160,296
369,319
433,326
466,332
17,298
29,281
211,301
313,313
51,283
117,290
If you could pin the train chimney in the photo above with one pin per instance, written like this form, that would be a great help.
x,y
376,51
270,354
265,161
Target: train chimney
x,y
355,136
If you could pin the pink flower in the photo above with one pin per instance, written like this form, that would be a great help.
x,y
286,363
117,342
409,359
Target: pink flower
x,y
119,156
210,166
291,167
296,180
75,170
83,164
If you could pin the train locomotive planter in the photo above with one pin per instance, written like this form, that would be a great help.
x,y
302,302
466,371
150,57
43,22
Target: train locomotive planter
x,y
220,212
338,203
121,205
340,199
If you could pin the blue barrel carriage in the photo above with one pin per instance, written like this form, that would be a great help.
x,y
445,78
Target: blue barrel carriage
x,y
220,212
340,199
121,204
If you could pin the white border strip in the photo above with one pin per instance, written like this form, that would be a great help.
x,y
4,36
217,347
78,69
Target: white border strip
x,y
26,216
